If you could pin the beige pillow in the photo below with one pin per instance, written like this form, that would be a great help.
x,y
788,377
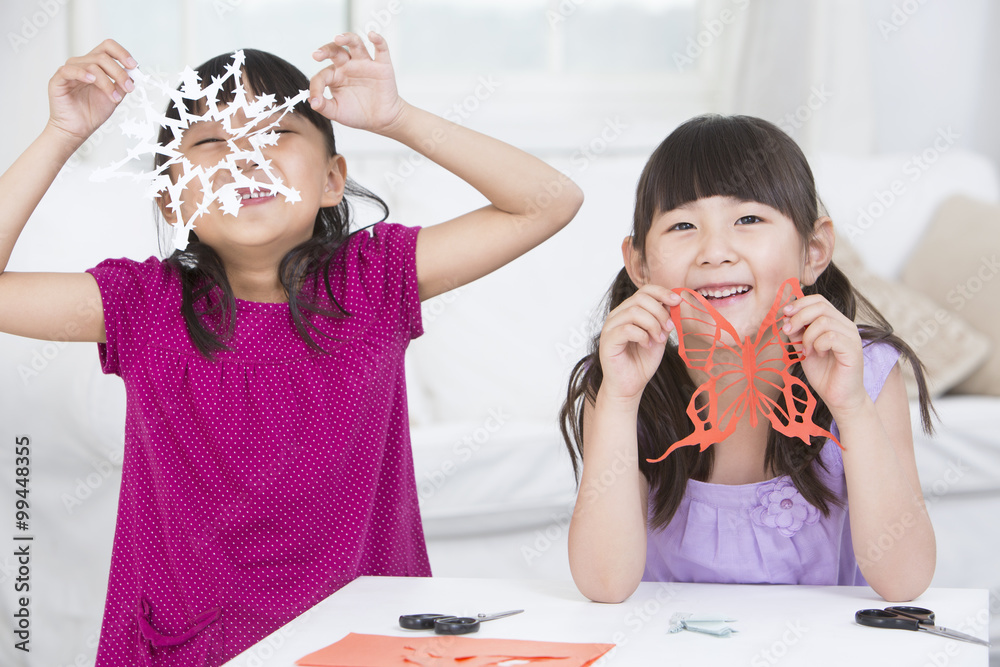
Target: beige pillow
x,y
949,347
956,263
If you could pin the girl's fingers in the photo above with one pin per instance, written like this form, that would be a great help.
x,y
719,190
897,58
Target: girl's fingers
x,y
354,45
645,309
636,334
68,73
116,72
637,315
381,47
799,316
325,78
116,51
101,81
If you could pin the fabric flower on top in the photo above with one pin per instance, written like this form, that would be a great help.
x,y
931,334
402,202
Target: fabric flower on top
x,y
783,507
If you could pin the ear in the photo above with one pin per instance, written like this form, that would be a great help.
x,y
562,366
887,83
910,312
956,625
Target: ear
x,y
163,203
336,179
819,252
635,263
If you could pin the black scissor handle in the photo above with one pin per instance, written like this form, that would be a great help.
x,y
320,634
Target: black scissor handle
x,y
420,621
924,616
456,625
880,618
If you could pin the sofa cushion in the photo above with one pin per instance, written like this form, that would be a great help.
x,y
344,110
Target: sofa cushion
x,y
949,347
956,263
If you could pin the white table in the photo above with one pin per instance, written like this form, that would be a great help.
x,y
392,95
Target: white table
x,y
787,625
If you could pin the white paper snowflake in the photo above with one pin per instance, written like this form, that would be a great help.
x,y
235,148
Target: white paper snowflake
x,y
262,114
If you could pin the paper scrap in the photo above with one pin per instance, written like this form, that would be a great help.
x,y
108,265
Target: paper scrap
x,y
361,650
246,141
738,381
717,625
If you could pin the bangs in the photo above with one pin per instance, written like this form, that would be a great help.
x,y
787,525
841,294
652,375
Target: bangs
x,y
262,74
728,156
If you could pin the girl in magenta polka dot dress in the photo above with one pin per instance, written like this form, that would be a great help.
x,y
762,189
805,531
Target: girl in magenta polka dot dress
x,y
267,454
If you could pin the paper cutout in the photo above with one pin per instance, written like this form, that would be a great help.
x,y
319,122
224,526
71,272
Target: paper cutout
x,y
737,382
717,625
360,650
262,115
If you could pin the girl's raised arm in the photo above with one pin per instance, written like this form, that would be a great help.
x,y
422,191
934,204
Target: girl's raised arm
x,y
82,95
529,200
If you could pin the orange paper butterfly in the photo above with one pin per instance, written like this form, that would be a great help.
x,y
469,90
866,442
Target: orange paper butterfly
x,y
740,380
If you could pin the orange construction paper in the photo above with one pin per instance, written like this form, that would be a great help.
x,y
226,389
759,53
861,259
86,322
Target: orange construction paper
x,y
358,650
747,368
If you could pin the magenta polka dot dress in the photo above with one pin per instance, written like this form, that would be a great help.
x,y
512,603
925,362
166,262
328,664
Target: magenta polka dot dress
x,y
257,484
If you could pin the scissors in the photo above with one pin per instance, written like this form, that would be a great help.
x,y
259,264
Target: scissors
x,y
910,618
444,624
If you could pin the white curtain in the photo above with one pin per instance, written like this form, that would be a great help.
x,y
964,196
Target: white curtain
x,y
805,66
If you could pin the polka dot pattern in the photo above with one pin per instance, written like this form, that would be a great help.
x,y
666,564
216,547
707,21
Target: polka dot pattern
x,y
257,484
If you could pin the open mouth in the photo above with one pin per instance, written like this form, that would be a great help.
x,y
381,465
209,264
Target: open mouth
x,y
723,292
248,196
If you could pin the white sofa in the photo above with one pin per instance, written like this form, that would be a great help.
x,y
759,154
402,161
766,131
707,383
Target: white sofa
x,y
485,383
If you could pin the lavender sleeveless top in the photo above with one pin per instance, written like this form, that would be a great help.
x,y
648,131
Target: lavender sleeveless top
x,y
257,484
765,533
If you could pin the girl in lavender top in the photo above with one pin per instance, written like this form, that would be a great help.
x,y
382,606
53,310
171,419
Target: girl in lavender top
x,y
727,207
267,456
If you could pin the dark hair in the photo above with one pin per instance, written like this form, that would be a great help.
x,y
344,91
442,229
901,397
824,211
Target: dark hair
x,y
751,160
208,304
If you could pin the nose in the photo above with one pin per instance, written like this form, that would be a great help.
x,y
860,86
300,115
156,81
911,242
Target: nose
x,y
716,248
244,157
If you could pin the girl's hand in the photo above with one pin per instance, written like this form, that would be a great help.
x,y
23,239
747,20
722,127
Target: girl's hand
x,y
85,91
363,89
831,347
633,340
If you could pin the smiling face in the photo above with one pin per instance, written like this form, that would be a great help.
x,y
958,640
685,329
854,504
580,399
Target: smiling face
x,y
263,189
734,253
727,205
239,143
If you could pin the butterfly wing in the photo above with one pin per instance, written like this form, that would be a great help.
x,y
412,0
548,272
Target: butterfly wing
x,y
701,330
702,333
774,355
710,424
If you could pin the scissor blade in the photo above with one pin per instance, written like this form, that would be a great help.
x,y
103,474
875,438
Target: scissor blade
x,y
954,634
490,617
